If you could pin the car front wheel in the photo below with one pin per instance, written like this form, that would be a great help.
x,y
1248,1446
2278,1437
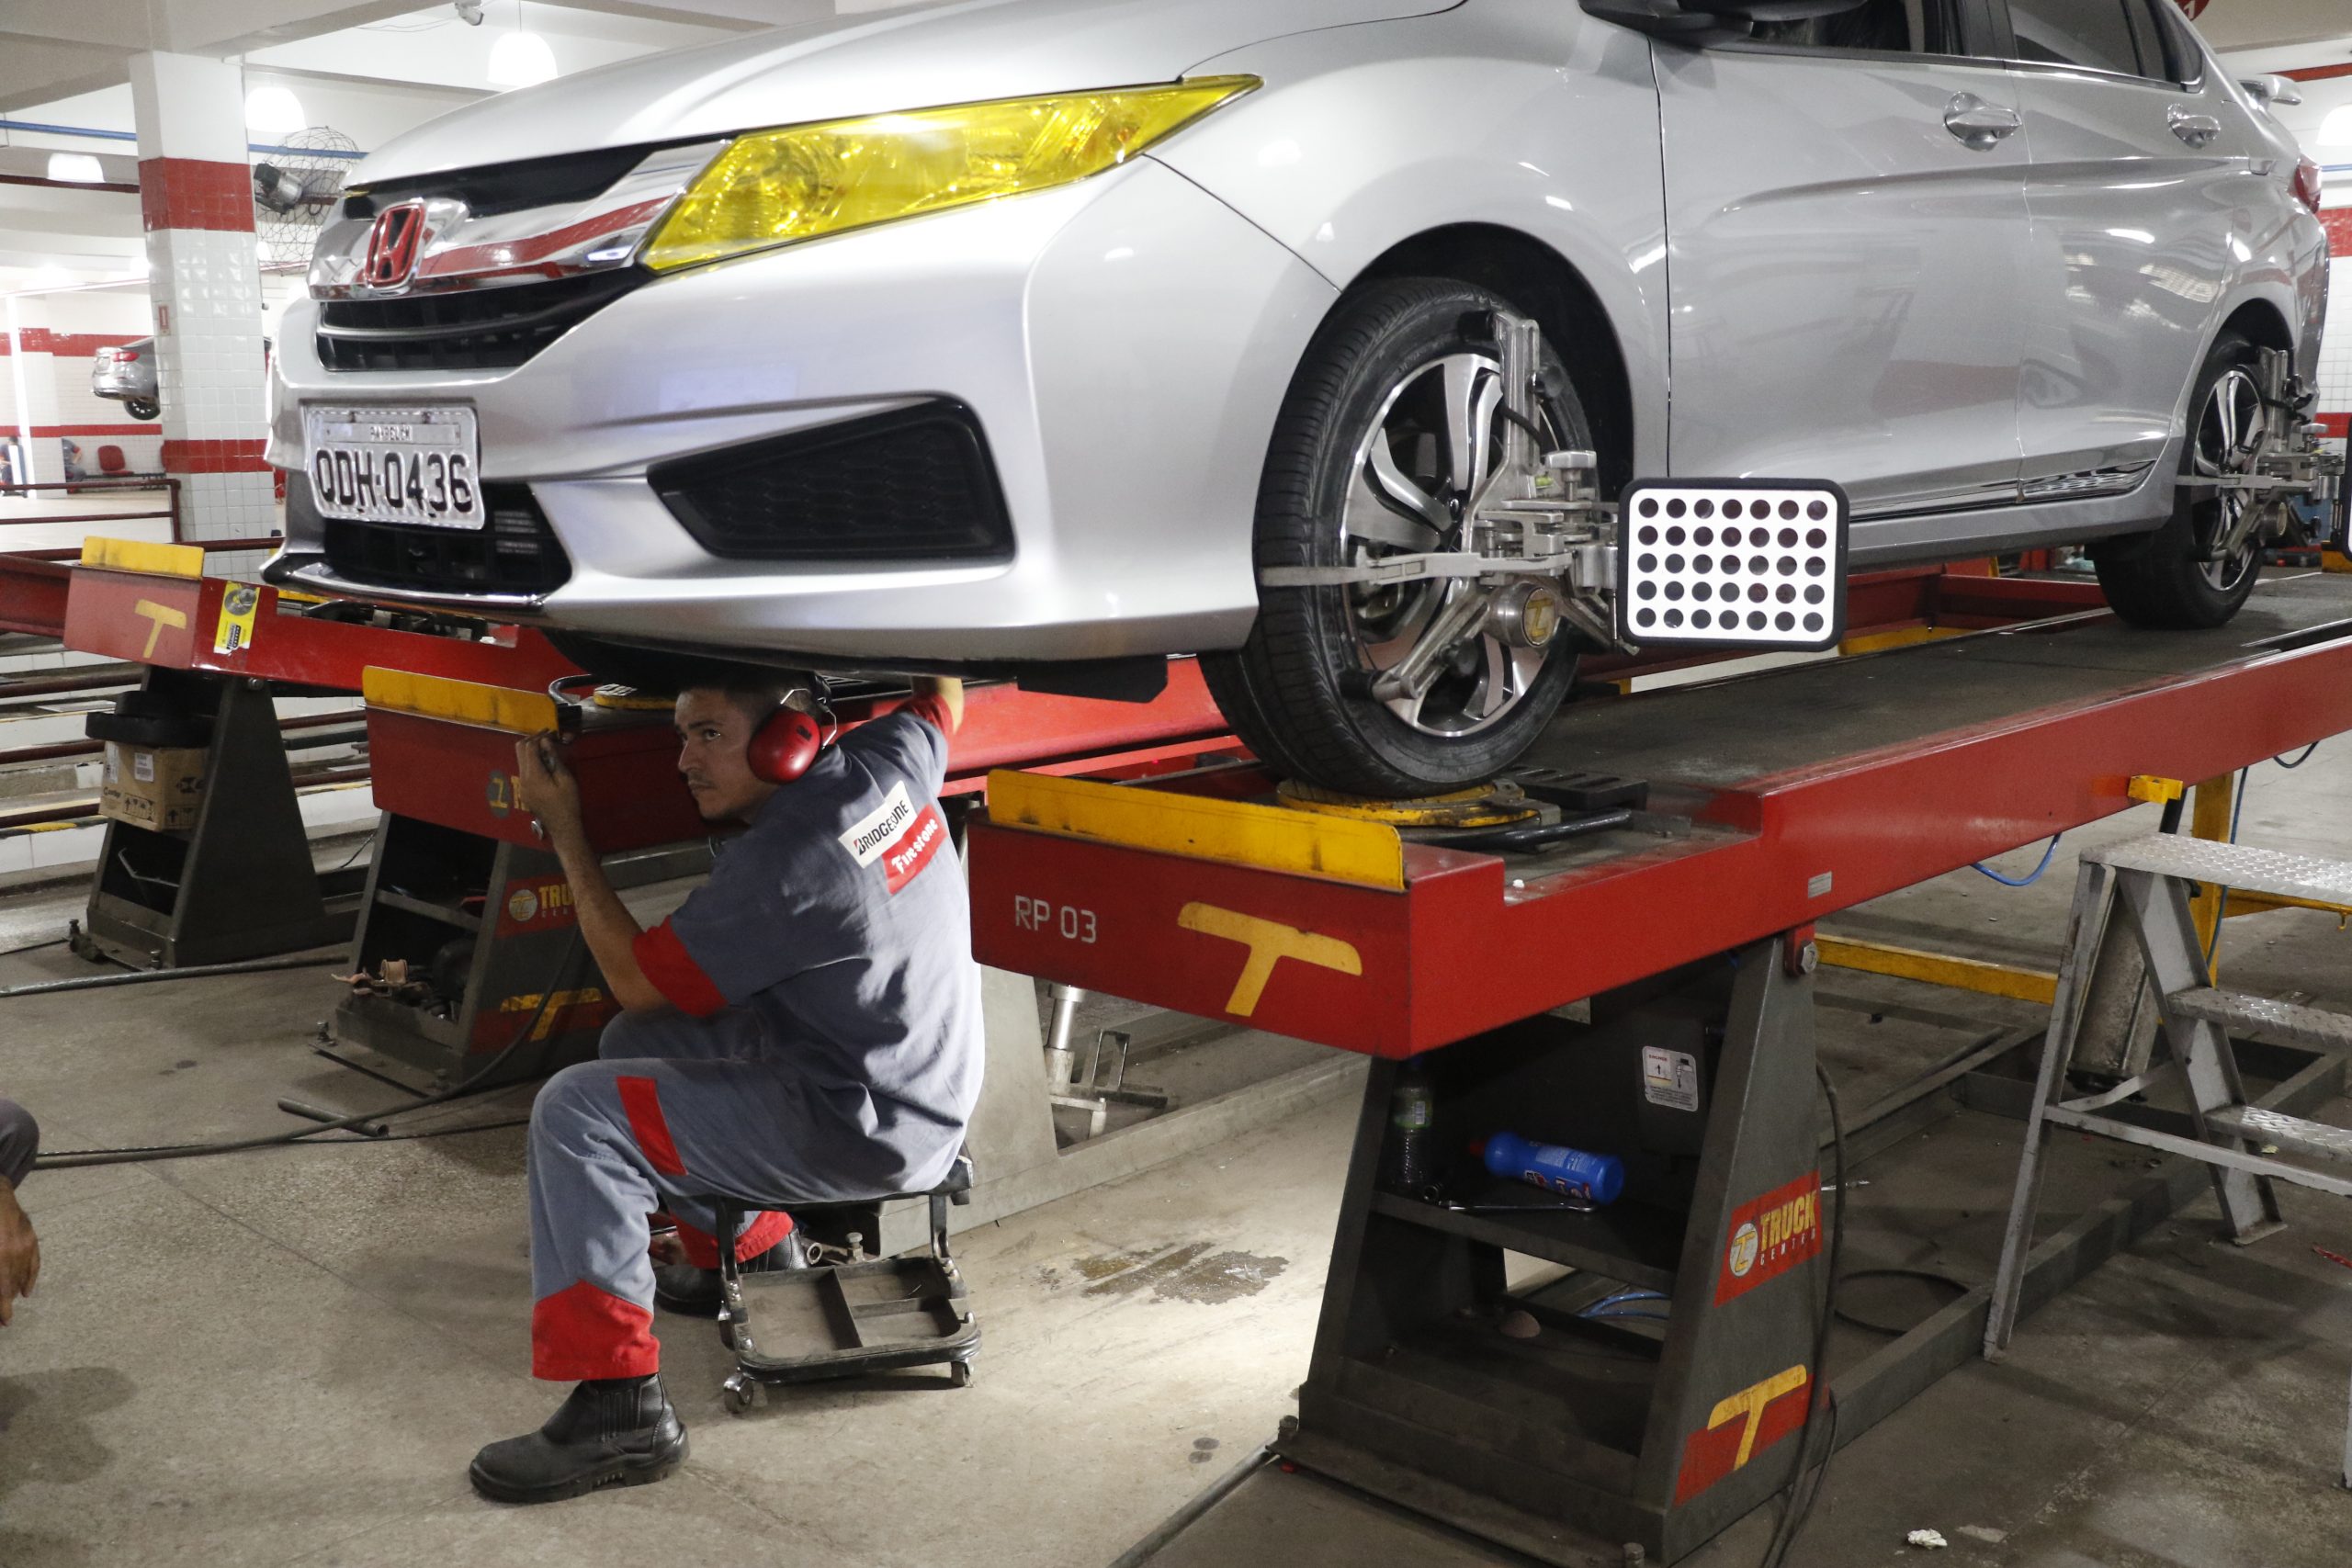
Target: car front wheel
x,y
2186,574
1389,429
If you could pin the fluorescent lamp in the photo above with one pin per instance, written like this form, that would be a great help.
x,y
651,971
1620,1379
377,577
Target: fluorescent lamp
x,y
2335,131
521,60
273,111
75,168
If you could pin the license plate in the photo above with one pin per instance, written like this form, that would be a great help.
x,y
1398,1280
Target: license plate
x,y
395,465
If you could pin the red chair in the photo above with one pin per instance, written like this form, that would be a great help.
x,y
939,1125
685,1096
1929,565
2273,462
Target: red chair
x,y
112,462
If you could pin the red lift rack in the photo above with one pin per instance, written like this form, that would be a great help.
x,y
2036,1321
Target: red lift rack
x,y
1775,799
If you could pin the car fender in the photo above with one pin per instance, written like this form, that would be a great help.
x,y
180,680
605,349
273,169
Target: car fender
x,y
1519,114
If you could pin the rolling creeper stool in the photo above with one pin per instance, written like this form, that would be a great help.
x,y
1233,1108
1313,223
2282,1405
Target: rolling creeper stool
x,y
868,1314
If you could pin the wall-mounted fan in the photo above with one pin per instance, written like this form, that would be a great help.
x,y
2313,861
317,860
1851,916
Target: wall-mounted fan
x,y
295,187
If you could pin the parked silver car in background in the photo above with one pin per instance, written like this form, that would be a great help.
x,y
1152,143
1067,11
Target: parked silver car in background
x,y
126,374
933,339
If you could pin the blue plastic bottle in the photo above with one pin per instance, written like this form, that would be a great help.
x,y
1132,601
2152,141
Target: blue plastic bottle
x,y
1553,1166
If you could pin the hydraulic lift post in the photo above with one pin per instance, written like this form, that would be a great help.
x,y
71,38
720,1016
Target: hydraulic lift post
x,y
1538,992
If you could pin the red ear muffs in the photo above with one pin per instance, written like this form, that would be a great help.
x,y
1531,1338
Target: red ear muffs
x,y
786,742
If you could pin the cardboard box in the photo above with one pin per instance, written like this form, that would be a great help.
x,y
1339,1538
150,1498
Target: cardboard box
x,y
153,786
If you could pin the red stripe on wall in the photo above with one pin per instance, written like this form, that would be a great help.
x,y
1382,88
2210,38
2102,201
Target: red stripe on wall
x,y
215,457
81,344
126,429
2338,426
2317,73
2337,221
195,193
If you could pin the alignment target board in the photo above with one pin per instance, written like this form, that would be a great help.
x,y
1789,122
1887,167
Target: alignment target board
x,y
1744,563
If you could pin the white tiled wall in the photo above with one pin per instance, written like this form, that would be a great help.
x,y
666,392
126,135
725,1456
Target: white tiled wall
x,y
210,375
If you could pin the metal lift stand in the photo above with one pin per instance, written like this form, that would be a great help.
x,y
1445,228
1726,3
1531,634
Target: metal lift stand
x,y
1413,1394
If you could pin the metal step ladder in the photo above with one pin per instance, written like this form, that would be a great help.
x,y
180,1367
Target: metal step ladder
x,y
2247,1147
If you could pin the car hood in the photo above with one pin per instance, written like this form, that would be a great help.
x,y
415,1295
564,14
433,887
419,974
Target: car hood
x,y
863,64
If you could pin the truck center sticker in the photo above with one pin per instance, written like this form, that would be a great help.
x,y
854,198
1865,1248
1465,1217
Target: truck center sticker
x,y
1770,1235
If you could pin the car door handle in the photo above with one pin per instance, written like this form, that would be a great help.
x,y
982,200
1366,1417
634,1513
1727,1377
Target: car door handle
x,y
2197,130
1979,125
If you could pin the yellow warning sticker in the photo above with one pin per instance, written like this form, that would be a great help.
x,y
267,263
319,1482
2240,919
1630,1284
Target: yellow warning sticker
x,y
235,630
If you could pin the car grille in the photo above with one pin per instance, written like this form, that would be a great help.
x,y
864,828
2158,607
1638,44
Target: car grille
x,y
516,553
916,482
508,187
469,329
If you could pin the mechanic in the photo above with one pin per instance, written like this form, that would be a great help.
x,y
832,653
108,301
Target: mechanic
x,y
805,1028
19,1249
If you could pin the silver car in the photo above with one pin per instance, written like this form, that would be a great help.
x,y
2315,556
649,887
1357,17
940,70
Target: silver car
x,y
1051,337
125,373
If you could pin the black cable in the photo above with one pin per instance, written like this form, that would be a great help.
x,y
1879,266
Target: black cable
x,y
76,1159
1802,1497
1934,1276
34,947
2300,761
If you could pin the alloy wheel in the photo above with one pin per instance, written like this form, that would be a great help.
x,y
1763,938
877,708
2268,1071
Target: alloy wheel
x,y
1419,470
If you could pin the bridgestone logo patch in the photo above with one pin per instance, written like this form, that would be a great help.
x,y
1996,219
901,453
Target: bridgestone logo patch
x,y
897,835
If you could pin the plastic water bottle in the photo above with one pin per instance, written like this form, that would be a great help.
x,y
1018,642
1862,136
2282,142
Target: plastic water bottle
x,y
1556,1167
1411,1147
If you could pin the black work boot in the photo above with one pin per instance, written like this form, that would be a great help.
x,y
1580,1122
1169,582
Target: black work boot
x,y
694,1292
611,1432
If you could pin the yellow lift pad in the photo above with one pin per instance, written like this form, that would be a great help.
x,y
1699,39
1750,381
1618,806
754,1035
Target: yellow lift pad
x,y
144,554
459,702
1239,832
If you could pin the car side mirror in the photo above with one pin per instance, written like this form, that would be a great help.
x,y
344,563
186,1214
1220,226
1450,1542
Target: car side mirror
x,y
2272,91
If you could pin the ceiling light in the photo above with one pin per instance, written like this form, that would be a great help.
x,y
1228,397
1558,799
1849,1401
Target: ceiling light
x,y
75,168
273,111
521,60
2335,131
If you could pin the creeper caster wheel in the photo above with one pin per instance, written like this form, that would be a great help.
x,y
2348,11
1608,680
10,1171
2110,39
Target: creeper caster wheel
x,y
739,1393
959,1373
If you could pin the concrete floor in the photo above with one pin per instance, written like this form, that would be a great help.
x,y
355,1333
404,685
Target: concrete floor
x,y
288,1356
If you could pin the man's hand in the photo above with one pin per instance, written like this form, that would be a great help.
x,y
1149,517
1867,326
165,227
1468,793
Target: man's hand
x,y
545,788
19,1254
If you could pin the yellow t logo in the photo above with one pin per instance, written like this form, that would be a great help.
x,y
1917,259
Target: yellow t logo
x,y
158,617
1750,1402
1269,942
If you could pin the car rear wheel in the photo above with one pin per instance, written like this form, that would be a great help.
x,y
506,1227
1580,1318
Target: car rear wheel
x,y
1388,430
2179,577
140,409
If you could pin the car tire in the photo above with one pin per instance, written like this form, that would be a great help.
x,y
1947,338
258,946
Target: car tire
x,y
2160,579
1299,691
140,409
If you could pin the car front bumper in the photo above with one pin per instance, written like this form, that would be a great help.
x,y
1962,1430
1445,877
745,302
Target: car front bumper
x,y
1123,344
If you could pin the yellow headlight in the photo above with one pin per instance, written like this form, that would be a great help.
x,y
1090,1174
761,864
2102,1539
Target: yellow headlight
x,y
775,188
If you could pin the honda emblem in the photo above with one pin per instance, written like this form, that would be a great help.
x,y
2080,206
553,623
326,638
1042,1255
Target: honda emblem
x,y
392,246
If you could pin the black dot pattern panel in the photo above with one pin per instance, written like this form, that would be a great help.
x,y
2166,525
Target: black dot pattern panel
x,y
910,485
1767,566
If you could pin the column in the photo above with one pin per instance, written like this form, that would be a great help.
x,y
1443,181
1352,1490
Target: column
x,y
32,377
196,198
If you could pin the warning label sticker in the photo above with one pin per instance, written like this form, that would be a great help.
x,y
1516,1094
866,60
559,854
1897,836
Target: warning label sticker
x,y
1669,1077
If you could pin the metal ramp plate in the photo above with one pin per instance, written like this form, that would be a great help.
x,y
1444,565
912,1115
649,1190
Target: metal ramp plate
x,y
2314,1029
2289,1135
2232,865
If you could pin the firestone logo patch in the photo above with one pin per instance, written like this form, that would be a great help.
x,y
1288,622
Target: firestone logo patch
x,y
899,836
